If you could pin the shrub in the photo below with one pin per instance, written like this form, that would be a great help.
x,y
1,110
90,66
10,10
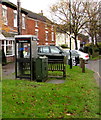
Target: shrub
x,y
88,45
64,46
86,49
92,49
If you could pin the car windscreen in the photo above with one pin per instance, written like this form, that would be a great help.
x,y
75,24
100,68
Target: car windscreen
x,y
74,52
55,49
44,49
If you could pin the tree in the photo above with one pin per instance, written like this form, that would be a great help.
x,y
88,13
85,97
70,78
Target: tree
x,y
92,27
3,27
74,17
99,33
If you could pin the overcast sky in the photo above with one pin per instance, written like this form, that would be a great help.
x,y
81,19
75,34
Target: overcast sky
x,y
36,5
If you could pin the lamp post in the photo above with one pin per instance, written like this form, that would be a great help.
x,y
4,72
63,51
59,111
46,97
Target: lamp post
x,y
19,16
70,33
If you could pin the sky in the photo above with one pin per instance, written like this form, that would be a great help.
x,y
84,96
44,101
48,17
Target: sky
x,y
36,5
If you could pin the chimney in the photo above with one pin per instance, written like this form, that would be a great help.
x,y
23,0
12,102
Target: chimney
x,y
41,12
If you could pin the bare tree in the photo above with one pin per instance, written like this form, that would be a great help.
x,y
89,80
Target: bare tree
x,y
61,13
92,27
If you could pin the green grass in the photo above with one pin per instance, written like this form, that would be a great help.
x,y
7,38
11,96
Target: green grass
x,y
78,97
95,58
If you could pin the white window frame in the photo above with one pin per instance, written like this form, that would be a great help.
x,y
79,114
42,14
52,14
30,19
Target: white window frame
x,y
46,43
4,14
23,21
46,34
52,36
37,33
46,26
6,44
36,23
15,18
52,28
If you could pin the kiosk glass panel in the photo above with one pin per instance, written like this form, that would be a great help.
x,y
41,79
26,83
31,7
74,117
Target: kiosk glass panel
x,y
23,59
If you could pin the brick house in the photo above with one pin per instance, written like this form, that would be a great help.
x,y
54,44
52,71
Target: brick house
x,y
32,24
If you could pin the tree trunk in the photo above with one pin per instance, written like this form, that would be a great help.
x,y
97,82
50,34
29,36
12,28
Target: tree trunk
x,y
92,39
96,40
76,46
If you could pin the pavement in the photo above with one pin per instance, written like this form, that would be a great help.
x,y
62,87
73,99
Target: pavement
x,y
95,66
8,72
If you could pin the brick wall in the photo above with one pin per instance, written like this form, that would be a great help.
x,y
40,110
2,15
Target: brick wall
x,y
10,17
0,16
30,26
10,59
41,29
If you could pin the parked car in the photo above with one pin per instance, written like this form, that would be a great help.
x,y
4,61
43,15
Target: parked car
x,y
77,54
74,56
52,52
83,55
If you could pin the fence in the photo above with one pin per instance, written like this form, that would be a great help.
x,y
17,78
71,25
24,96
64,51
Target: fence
x,y
57,65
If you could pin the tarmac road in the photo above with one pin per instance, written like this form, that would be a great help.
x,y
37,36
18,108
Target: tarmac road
x,y
96,67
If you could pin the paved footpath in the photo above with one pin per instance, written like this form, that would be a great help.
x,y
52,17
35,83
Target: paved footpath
x,y
95,66
8,70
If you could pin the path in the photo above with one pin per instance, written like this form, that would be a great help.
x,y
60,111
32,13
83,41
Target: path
x,y
96,67
8,71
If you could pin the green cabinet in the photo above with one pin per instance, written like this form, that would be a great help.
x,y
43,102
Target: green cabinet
x,y
40,69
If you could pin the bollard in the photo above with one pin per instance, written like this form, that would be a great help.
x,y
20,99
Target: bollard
x,y
82,65
80,62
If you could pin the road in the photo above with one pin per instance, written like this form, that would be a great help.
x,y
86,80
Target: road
x,y
96,67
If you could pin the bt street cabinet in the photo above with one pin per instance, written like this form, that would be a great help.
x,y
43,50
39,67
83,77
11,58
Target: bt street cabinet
x,y
25,52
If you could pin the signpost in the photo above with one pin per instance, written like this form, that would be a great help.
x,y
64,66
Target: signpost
x,y
19,16
70,33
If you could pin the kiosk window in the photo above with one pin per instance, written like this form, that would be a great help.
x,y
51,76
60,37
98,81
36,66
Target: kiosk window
x,y
23,50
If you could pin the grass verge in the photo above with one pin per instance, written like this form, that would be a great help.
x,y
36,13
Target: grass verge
x,y
95,58
78,97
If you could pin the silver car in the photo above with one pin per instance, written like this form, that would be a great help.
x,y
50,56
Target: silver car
x,y
74,56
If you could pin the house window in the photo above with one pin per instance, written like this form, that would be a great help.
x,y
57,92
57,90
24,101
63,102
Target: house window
x,y
8,46
52,36
23,21
36,32
52,28
36,24
46,35
4,14
15,18
46,26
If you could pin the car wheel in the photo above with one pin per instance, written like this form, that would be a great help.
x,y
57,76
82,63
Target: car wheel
x,y
73,62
